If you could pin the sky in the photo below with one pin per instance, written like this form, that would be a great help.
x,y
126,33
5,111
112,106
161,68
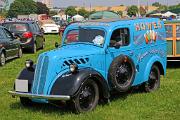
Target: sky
x,y
65,3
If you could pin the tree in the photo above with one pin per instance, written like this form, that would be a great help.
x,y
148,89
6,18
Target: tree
x,y
52,13
142,11
156,4
92,12
71,11
22,7
42,8
83,13
120,13
132,10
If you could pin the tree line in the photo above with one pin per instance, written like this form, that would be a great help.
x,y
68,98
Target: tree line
x,y
23,7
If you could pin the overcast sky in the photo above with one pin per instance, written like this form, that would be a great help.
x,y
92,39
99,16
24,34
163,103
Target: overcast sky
x,y
65,3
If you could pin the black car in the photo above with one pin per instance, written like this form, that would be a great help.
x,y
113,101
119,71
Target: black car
x,y
29,32
9,46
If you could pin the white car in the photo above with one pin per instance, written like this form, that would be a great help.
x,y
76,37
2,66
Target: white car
x,y
50,28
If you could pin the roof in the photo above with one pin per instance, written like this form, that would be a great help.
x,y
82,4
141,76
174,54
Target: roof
x,y
19,21
110,23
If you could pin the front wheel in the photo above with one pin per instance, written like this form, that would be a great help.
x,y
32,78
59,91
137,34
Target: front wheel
x,y
153,82
87,97
25,101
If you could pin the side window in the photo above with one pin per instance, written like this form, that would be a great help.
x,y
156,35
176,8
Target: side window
x,y
120,37
178,31
7,33
37,27
1,34
33,28
169,31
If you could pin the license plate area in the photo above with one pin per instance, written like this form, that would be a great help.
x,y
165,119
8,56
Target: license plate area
x,y
21,85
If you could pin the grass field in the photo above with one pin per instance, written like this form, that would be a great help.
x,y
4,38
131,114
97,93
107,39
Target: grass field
x,y
163,104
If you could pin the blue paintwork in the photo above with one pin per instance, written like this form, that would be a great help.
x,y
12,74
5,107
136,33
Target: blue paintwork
x,y
100,58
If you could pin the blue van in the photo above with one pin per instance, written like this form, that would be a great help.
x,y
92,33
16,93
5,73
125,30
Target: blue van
x,y
95,58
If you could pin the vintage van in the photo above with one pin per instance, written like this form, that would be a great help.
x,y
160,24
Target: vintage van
x,y
95,58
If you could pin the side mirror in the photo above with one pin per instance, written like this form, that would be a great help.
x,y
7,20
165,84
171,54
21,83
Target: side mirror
x,y
56,45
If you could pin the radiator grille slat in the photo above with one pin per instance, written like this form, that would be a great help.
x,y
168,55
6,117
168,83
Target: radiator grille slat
x,y
40,75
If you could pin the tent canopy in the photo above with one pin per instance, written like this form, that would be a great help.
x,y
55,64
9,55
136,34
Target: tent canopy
x,y
103,15
78,18
168,14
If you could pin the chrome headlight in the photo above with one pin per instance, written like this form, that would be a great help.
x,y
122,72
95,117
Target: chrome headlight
x,y
29,63
73,68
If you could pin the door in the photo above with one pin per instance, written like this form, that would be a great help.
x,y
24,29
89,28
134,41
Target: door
x,y
11,43
119,45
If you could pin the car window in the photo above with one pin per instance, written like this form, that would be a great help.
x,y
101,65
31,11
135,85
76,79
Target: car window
x,y
169,31
7,33
33,27
16,27
120,37
86,35
1,34
178,31
37,27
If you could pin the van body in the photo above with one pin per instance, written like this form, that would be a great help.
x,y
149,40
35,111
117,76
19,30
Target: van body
x,y
95,58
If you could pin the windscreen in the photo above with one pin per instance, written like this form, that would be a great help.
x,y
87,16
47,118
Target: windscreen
x,y
14,27
86,35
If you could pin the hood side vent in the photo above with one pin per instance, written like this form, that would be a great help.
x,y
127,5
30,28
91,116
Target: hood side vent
x,y
77,61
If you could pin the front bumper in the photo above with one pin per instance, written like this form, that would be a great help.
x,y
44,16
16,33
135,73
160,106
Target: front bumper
x,y
35,96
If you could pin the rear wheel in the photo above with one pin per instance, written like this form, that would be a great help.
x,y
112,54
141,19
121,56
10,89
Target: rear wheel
x,y
153,82
2,59
34,50
87,97
20,53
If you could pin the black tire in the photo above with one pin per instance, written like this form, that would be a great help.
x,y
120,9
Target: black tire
x,y
153,82
34,50
43,45
121,73
87,97
20,53
26,101
2,59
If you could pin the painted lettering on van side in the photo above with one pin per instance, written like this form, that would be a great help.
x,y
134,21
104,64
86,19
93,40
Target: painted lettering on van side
x,y
151,52
148,26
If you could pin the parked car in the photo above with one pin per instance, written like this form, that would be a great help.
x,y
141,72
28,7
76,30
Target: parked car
x,y
9,46
29,32
50,28
96,58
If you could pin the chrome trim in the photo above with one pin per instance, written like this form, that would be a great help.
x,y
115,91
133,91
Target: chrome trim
x,y
49,97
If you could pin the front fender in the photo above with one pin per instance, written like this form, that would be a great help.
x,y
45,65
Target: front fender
x,y
69,84
27,74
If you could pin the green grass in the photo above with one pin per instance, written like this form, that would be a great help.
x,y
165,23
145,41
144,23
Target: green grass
x,y
163,104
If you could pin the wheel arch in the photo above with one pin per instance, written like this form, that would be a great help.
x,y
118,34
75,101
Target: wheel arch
x,y
3,50
71,83
154,61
